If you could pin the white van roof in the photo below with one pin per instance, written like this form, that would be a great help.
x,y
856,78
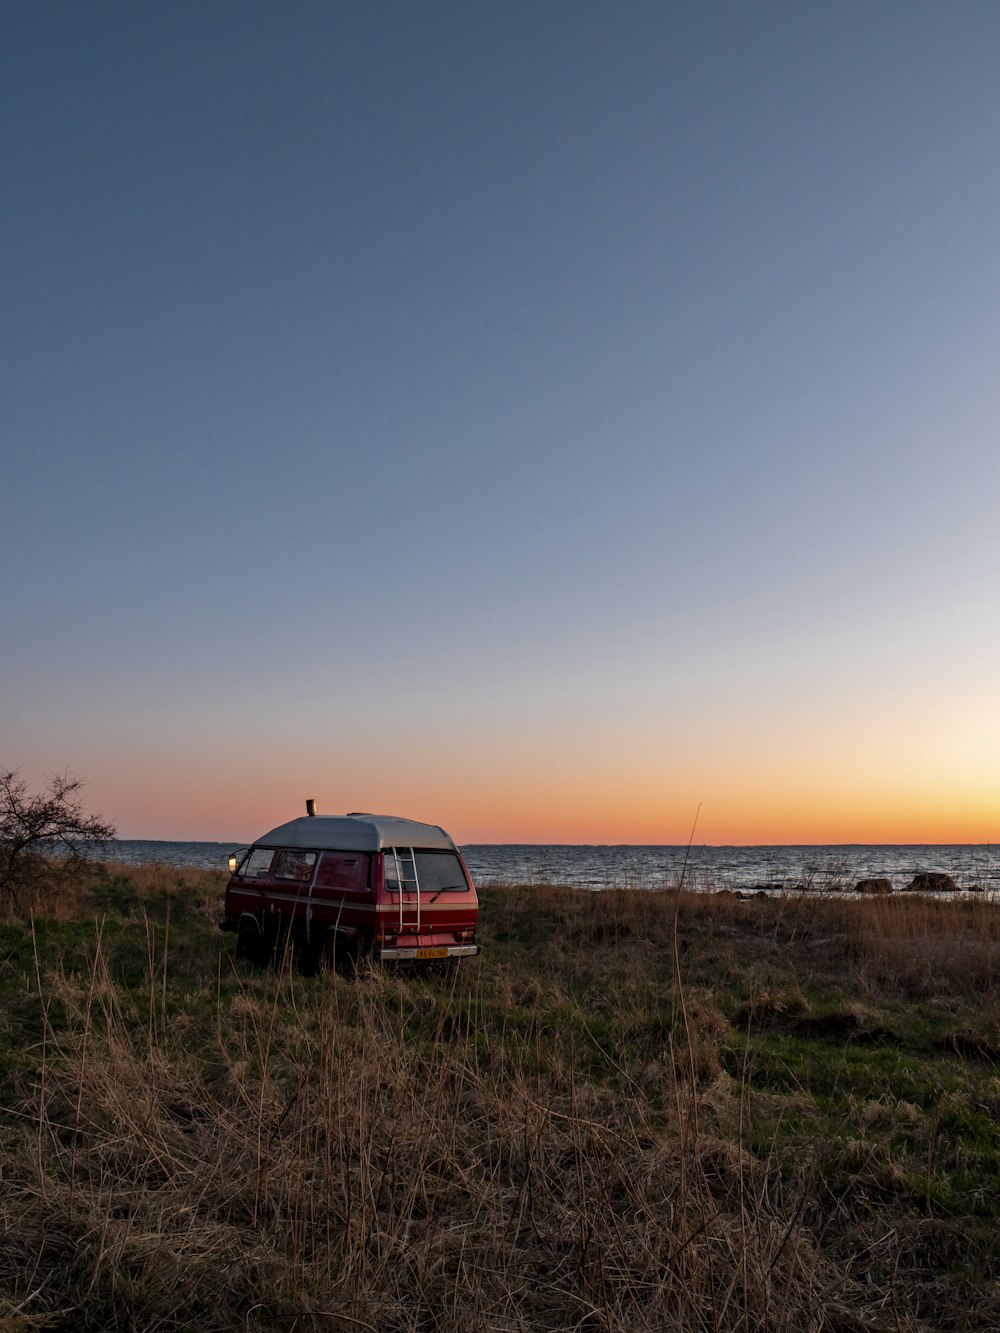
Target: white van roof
x,y
355,833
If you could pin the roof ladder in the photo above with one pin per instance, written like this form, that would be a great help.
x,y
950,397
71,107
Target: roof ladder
x,y
407,883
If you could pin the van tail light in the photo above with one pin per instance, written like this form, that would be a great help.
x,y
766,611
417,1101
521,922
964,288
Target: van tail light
x,y
467,933
386,937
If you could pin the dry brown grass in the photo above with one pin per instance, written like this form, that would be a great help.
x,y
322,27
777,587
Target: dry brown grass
x,y
561,1136
906,944
360,1177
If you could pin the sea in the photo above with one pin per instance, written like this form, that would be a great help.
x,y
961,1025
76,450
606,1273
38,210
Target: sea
x,y
754,869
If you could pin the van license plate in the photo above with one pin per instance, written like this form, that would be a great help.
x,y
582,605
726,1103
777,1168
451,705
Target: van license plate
x,y
432,953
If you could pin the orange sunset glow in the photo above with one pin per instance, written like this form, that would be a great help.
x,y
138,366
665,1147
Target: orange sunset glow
x,y
548,429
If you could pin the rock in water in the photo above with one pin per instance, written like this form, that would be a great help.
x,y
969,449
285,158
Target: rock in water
x,y
932,881
873,886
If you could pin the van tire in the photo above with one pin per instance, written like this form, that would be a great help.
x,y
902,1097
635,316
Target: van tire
x,y
337,954
251,943
308,957
345,957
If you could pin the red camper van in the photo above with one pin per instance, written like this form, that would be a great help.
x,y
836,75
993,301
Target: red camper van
x,y
348,886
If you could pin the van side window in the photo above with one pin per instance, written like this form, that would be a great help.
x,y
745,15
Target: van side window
x,y
344,870
258,864
295,865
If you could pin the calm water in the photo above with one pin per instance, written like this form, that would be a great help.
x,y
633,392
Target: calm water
x,y
971,866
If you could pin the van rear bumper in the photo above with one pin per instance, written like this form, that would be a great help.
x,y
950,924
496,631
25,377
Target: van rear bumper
x,y
390,953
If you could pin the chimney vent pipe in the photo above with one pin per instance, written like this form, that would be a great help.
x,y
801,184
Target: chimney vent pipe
x,y
310,806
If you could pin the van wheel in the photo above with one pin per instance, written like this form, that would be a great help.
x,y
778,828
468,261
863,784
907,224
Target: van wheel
x,y
251,943
308,957
345,958
337,954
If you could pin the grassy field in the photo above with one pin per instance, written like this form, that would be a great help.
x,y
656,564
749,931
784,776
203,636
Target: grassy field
x,y
634,1111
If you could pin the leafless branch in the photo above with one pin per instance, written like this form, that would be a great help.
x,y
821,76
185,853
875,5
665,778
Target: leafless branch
x,y
45,835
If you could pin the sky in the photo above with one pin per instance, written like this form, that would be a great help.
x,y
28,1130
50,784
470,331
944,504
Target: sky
x,y
561,421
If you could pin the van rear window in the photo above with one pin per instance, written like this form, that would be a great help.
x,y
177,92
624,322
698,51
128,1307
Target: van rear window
x,y
437,872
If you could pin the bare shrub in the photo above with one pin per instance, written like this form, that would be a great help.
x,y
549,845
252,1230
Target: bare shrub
x,y
43,838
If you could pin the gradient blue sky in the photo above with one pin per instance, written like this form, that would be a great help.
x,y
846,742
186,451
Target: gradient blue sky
x,y
538,418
